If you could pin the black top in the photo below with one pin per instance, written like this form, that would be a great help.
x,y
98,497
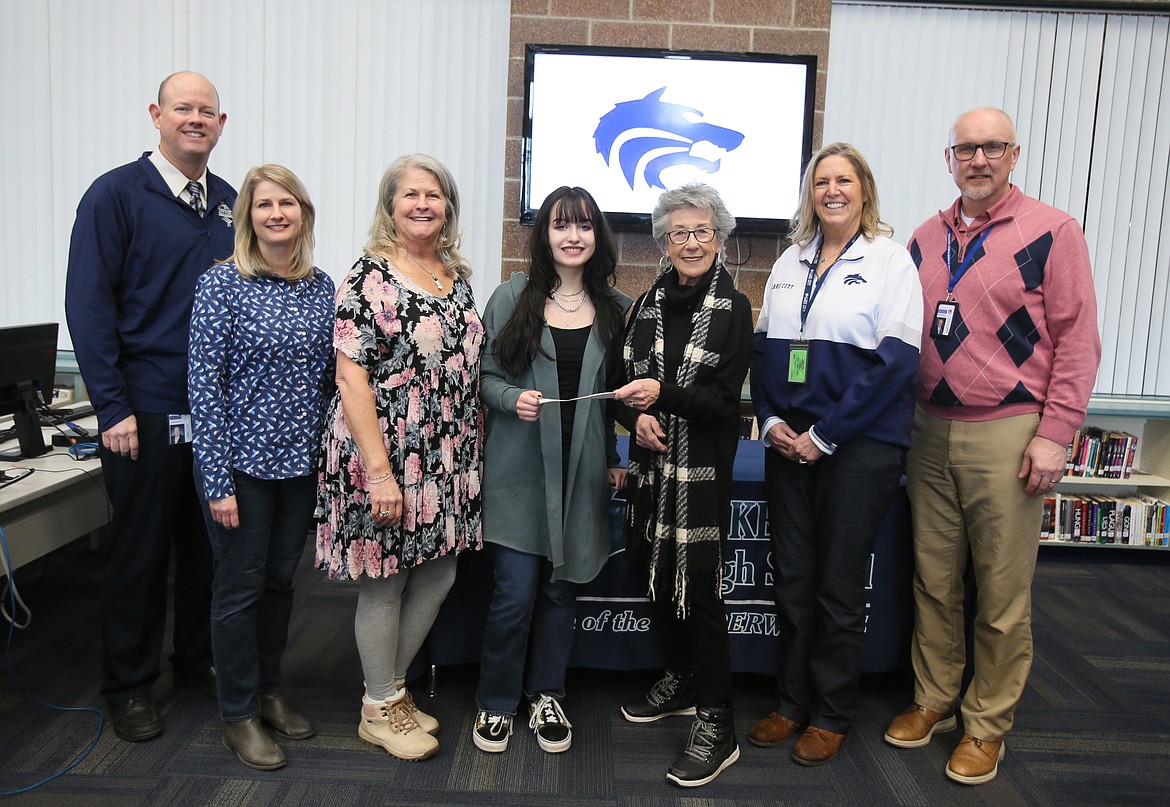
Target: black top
x,y
678,310
570,345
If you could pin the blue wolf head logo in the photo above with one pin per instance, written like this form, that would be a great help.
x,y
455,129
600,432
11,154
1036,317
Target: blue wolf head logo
x,y
678,135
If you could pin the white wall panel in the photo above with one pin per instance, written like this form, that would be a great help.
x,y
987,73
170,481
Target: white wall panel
x,y
27,284
334,91
1090,94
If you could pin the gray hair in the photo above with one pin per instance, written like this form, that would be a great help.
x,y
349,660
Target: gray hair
x,y
697,195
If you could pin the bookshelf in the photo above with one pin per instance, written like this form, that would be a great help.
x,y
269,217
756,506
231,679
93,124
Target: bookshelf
x,y
1149,419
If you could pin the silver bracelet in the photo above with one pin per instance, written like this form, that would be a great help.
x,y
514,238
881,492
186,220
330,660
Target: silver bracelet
x,y
373,480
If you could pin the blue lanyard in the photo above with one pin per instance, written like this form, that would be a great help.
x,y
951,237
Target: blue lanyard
x,y
813,285
952,255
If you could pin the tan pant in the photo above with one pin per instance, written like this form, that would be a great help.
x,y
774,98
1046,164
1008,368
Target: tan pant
x,y
965,494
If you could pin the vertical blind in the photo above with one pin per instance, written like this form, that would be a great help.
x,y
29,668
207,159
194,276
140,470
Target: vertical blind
x,y
1090,95
335,91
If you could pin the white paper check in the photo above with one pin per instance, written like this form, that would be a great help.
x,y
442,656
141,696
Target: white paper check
x,y
595,396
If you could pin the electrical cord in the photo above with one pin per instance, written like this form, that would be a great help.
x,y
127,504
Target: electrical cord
x,y
13,598
10,597
92,478
83,451
9,476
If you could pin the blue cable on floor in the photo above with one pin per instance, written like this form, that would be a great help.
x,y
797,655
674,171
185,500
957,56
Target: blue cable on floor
x,y
12,678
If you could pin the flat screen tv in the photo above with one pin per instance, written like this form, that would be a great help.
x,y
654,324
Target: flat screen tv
x,y
629,123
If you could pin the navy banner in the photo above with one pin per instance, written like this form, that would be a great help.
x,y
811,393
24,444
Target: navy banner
x,y
614,626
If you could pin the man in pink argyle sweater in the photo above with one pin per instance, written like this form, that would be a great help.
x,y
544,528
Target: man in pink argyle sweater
x,y
1003,384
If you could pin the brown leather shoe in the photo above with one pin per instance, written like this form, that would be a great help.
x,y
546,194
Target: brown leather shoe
x,y
975,761
252,745
278,715
772,730
915,726
817,746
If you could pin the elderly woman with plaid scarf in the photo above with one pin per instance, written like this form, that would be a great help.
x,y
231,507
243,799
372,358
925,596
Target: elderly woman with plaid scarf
x,y
685,355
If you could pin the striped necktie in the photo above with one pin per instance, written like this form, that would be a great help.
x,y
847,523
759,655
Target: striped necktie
x,y
196,200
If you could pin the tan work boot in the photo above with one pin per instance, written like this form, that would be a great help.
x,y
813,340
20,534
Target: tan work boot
x,y
391,725
915,726
427,723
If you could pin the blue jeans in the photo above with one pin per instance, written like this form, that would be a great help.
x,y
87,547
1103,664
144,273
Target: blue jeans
x,y
526,610
252,592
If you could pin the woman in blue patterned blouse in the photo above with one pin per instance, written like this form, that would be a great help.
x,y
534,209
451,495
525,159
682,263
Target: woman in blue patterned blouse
x,y
398,495
258,370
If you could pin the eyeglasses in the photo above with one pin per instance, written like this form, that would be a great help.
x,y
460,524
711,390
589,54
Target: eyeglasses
x,y
992,150
680,237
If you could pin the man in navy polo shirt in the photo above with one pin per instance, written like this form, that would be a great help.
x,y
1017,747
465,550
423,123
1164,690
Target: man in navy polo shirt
x,y
144,233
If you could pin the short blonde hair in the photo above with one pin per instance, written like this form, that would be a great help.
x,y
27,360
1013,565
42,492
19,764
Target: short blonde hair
x,y
384,239
806,225
247,258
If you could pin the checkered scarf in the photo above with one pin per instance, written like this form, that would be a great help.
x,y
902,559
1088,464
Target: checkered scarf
x,y
674,501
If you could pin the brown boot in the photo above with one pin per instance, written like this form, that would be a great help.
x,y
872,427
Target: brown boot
x,y
817,746
252,745
975,761
278,715
915,726
772,730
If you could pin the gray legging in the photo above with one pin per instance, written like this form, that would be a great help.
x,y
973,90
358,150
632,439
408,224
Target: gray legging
x,y
394,616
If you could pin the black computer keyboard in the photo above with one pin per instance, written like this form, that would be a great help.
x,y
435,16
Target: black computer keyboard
x,y
51,418
57,417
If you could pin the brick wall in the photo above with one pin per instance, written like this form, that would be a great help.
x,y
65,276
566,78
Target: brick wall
x,y
764,26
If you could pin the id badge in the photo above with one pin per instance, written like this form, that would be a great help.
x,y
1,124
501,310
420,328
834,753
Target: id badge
x,y
798,363
946,314
179,429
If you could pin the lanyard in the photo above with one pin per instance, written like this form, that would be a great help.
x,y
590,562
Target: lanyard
x,y
813,285
952,255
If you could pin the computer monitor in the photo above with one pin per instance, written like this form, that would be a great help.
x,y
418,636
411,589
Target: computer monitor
x,y
28,365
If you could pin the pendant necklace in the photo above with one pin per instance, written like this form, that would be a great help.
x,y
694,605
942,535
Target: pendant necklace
x,y
418,263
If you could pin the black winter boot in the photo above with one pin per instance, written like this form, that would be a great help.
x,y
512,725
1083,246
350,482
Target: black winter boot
x,y
673,695
710,749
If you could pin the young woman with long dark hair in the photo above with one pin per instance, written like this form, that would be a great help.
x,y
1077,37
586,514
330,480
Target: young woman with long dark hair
x,y
549,468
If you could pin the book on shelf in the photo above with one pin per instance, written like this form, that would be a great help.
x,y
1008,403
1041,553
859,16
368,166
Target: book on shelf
x,y
1090,518
1137,521
1101,454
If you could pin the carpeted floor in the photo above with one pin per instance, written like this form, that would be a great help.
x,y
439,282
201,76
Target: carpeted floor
x,y
1093,727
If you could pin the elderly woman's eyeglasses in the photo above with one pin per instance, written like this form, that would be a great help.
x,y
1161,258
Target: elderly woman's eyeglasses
x,y
992,150
680,237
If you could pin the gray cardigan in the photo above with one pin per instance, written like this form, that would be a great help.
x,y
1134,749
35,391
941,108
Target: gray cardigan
x,y
522,505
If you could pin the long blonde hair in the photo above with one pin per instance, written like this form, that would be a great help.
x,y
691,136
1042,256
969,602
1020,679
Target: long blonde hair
x,y
247,257
806,225
384,238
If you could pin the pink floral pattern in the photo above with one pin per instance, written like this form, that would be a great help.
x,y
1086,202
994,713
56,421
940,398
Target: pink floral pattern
x,y
422,354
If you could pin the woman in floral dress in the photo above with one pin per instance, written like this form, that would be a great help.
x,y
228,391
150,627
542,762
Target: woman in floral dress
x,y
399,491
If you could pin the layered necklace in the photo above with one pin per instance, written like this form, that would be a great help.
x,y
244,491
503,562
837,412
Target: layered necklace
x,y
577,296
419,264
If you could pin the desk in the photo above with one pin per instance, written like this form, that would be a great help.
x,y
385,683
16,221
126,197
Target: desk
x,y
614,629
61,501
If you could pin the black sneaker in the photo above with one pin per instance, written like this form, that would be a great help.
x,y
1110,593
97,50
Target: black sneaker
x,y
673,695
553,730
711,748
492,731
